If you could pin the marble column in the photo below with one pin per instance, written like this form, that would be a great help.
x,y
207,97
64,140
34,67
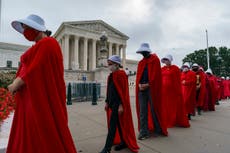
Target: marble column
x,y
85,54
66,52
93,58
124,56
61,46
117,49
76,52
110,49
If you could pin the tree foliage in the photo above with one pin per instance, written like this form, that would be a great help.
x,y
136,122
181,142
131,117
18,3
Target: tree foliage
x,y
219,60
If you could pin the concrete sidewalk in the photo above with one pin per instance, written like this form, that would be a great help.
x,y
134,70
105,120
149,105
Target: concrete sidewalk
x,y
209,133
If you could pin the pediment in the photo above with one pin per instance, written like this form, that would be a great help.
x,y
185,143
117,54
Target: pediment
x,y
98,26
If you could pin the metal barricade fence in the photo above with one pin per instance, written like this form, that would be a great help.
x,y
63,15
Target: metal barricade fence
x,y
84,91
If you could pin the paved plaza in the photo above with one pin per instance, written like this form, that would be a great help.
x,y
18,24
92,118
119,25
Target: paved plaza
x,y
209,133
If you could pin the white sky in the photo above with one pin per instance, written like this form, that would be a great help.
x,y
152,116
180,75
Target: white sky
x,y
174,27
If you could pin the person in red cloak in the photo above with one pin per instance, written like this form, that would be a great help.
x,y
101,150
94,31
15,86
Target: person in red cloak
x,y
188,82
119,116
222,88
219,89
211,88
149,105
175,108
226,84
40,123
200,87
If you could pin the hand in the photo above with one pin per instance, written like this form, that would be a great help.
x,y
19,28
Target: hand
x,y
120,109
12,88
198,87
18,82
106,106
143,87
183,82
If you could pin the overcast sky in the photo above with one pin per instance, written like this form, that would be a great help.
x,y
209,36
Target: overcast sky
x,y
170,26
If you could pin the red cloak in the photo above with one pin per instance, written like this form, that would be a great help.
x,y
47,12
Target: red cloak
x,y
189,90
201,98
211,93
40,123
120,80
155,83
219,88
222,96
172,97
226,84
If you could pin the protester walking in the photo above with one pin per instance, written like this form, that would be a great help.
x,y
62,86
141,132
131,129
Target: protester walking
x,y
117,106
40,123
150,109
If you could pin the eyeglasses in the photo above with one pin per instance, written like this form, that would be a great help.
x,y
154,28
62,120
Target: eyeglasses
x,y
110,64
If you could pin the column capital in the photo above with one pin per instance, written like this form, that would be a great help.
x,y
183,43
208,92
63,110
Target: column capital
x,y
66,36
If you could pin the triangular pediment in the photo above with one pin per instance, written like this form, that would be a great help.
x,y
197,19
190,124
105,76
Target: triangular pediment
x,y
97,26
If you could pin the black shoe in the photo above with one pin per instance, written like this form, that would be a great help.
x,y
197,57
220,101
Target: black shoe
x,y
120,147
105,151
199,110
189,116
143,136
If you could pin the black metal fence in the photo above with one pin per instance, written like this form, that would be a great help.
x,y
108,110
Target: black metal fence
x,y
84,91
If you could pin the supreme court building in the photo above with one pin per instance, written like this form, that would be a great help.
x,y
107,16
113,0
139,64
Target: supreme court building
x,y
81,47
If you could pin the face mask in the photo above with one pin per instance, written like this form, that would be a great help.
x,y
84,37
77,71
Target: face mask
x,y
145,54
185,69
30,34
167,62
112,68
195,69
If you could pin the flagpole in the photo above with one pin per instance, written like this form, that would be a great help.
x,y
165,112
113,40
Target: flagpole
x,y
208,60
1,22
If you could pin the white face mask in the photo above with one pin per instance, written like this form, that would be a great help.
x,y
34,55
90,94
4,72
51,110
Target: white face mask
x,y
112,67
185,69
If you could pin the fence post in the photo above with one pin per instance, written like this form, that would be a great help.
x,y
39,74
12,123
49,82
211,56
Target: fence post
x,y
94,94
69,95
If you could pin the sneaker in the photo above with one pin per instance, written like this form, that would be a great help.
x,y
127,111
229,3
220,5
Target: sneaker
x,y
120,147
143,136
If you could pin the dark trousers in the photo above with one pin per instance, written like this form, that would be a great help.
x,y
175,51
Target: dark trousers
x,y
145,98
113,124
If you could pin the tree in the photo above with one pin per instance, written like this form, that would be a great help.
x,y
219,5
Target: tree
x,y
219,60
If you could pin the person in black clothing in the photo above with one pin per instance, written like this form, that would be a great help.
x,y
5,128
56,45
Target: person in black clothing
x,y
113,101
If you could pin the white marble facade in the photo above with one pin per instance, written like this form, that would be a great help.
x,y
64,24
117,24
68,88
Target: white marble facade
x,y
11,53
80,43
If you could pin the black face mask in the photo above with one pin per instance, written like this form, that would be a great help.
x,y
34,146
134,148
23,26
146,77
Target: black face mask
x,y
195,69
145,54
